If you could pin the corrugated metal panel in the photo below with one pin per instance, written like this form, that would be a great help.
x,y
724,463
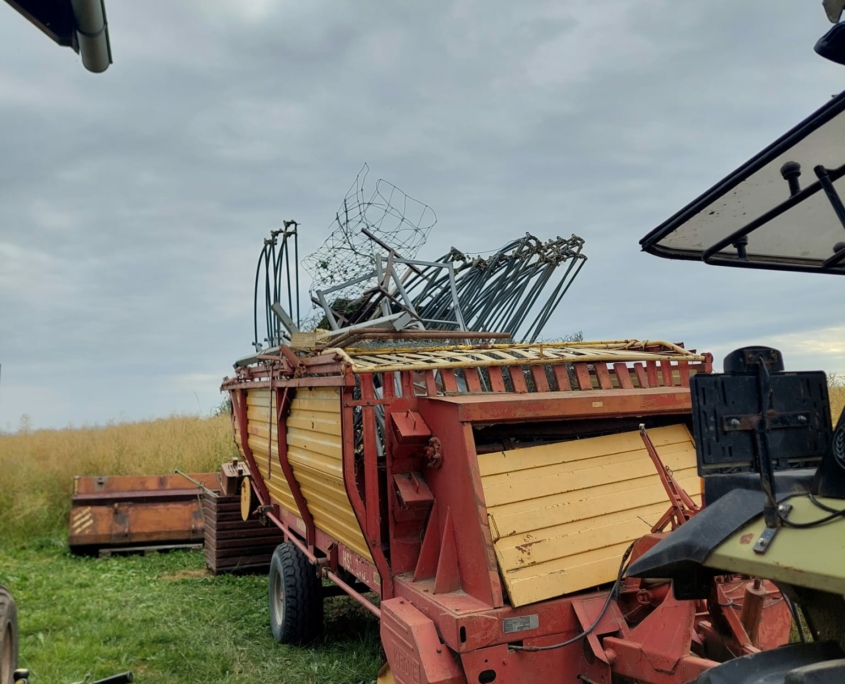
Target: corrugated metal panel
x,y
314,451
262,429
563,514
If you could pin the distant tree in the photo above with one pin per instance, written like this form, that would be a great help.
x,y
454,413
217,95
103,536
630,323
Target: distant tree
x,y
25,424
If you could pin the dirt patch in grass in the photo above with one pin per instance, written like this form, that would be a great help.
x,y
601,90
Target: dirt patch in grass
x,y
198,573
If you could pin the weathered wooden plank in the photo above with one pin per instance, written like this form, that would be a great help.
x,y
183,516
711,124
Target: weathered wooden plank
x,y
526,516
541,585
560,513
563,452
573,538
580,475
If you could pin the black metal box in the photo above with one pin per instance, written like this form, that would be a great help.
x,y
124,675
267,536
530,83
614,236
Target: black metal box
x,y
727,409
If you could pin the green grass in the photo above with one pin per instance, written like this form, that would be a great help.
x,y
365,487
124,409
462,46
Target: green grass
x,y
167,620
161,616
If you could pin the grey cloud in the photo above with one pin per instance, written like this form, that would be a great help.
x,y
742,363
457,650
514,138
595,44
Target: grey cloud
x,y
133,204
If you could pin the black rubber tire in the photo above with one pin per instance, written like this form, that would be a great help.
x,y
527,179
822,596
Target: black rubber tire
x,y
8,636
295,597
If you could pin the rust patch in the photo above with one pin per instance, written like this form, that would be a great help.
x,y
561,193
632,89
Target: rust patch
x,y
746,538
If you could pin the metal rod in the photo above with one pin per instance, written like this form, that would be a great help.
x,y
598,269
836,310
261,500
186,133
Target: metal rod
x,y
830,191
354,594
383,244
199,484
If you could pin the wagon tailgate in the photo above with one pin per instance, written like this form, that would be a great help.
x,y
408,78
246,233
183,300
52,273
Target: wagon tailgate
x,y
563,514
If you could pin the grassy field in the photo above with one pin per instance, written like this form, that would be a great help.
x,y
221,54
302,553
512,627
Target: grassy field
x,y
161,616
167,620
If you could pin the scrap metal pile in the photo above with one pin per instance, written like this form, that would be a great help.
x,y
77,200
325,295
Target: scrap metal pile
x,y
366,278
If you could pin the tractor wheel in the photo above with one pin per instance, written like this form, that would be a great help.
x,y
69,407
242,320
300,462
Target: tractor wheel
x,y
8,636
296,600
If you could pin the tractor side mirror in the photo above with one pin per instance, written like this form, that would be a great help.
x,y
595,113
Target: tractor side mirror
x,y
832,44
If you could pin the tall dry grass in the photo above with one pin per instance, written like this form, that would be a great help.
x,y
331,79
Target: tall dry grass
x,y
37,467
836,387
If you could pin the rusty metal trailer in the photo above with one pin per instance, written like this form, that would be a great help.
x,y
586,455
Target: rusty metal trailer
x,y
137,511
489,496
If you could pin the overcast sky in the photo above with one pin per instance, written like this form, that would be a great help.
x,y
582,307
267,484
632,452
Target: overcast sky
x,y
133,204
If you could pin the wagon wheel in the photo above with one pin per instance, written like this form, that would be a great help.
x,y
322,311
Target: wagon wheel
x,y
8,636
296,600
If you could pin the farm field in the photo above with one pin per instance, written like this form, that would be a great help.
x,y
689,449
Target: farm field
x,y
837,396
161,616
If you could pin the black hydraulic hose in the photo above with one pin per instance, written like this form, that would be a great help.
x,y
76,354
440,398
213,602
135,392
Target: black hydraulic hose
x,y
551,307
296,264
255,297
797,618
287,274
834,514
270,258
622,567
275,259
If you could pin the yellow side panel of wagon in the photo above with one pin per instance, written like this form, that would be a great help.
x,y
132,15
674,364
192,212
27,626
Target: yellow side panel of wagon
x,y
264,444
563,514
314,450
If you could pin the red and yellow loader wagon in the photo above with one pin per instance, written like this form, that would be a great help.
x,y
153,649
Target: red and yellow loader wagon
x,y
483,500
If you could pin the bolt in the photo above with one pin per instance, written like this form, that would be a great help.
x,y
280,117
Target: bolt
x,y
734,422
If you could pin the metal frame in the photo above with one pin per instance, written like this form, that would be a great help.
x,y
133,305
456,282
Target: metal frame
x,y
384,275
650,243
